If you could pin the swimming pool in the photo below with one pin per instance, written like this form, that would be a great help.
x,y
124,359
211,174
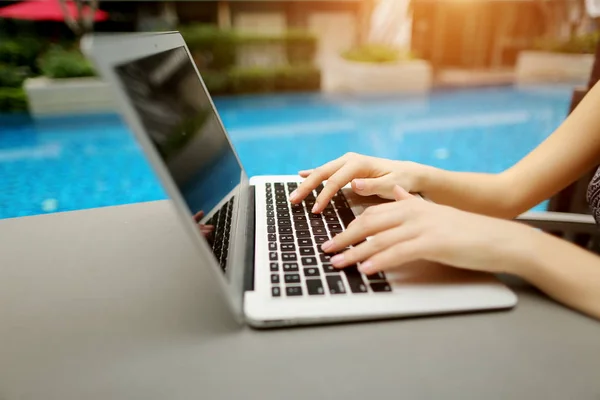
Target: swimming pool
x,y
77,162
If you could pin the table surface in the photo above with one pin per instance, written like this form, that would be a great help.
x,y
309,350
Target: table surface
x,y
112,303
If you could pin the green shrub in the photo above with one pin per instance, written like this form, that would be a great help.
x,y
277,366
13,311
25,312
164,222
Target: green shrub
x,y
12,100
217,82
265,80
21,51
376,53
61,63
300,46
580,44
252,80
298,78
214,48
211,47
12,76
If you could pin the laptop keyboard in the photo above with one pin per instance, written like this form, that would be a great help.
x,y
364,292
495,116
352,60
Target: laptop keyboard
x,y
298,265
219,238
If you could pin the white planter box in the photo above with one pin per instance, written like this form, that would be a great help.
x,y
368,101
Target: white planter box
x,y
542,66
68,96
342,76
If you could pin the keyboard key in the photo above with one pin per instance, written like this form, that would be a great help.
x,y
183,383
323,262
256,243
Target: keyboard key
x,y
309,261
300,218
303,234
321,239
329,213
355,280
330,269
272,246
293,291
284,222
381,287
274,278
288,247
298,211
286,238
274,266
289,257
332,219
270,221
307,251
275,291
335,226
319,230
315,287
315,216
316,222
378,276
301,226
312,271
292,278
325,258
306,242
346,216
285,229
271,229
290,267
335,284
272,237
273,256
270,214
270,207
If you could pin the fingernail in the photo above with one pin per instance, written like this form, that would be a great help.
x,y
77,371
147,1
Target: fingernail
x,y
327,245
315,208
293,195
366,267
338,259
359,183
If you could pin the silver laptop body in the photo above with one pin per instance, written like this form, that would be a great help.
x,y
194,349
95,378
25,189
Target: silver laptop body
x,y
264,252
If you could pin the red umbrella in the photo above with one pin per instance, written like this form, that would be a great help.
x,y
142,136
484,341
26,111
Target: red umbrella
x,y
45,10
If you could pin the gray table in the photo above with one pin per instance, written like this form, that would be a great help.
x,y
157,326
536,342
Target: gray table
x,y
111,304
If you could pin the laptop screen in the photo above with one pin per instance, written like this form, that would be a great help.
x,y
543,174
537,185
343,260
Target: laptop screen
x,y
178,116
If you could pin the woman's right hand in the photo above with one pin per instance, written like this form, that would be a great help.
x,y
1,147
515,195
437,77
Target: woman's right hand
x,y
369,176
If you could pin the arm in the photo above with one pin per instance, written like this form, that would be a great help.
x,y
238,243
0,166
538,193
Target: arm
x,y
571,150
563,271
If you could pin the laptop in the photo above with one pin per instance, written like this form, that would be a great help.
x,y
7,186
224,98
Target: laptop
x,y
264,252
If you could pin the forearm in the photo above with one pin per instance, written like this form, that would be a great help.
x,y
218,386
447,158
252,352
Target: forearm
x,y
486,194
565,272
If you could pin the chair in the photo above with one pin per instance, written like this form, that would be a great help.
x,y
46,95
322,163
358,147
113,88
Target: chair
x,y
568,215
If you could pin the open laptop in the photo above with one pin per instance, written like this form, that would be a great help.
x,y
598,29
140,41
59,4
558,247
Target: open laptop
x,y
264,252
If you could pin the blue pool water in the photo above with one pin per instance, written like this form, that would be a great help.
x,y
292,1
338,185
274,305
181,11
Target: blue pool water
x,y
78,162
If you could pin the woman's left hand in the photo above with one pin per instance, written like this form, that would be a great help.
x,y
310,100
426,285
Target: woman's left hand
x,y
412,229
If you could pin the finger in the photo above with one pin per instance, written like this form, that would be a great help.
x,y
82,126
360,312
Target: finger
x,y
395,256
199,215
363,228
401,194
376,244
305,173
337,181
372,186
314,179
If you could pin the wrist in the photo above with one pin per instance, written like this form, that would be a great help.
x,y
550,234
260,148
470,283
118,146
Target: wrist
x,y
425,179
524,251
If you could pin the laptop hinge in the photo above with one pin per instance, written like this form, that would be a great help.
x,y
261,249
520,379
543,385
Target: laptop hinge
x,y
250,233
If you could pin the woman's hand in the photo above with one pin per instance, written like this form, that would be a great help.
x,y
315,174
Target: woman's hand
x,y
369,176
204,229
412,229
